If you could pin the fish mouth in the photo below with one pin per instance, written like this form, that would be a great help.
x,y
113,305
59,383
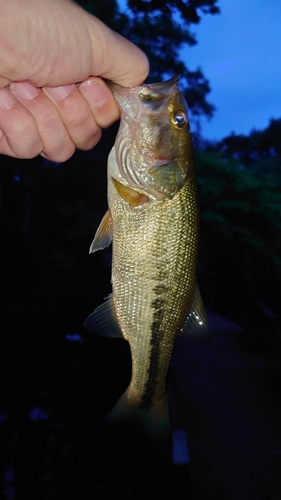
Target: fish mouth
x,y
155,92
158,87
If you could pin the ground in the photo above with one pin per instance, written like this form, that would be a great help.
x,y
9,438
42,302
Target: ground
x,y
224,402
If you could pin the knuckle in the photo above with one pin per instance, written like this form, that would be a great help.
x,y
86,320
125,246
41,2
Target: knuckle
x,y
22,133
60,154
49,122
89,141
25,141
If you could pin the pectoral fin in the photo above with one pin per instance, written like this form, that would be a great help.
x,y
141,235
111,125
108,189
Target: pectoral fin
x,y
134,198
196,325
103,236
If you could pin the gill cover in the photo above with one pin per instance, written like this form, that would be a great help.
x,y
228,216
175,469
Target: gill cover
x,y
153,150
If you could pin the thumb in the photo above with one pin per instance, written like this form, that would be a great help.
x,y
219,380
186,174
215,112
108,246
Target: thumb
x,y
116,58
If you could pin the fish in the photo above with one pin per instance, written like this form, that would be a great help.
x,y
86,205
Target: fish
x,y
153,223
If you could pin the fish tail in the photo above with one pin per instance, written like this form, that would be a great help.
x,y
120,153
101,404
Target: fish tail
x,y
152,423
124,411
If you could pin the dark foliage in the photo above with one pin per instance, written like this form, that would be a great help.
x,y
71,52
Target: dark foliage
x,y
54,393
259,145
161,29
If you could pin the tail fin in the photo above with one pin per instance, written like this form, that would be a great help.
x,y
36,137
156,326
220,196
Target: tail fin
x,y
153,424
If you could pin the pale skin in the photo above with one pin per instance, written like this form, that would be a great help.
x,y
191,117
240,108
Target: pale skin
x,y
53,59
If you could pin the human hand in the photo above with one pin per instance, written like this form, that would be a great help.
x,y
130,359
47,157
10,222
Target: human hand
x,y
47,47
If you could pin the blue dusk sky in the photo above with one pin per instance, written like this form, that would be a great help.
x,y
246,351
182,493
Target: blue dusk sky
x,y
239,52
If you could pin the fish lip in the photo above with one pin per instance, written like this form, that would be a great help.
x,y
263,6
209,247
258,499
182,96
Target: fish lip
x,y
157,85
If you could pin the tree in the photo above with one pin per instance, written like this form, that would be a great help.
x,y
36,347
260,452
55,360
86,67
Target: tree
x,y
161,29
257,146
240,244
55,209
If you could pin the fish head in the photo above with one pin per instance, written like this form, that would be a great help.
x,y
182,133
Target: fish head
x,y
153,149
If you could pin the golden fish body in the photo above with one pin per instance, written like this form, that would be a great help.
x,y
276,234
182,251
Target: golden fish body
x,y
153,282
153,222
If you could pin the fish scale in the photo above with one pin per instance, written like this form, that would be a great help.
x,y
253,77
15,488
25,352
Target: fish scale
x,y
153,223
162,243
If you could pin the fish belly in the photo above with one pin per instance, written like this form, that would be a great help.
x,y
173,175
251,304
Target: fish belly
x,y
153,282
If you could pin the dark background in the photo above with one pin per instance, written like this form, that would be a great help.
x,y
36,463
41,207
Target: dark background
x,y
58,382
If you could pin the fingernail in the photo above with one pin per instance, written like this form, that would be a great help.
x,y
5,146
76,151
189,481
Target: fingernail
x,y
7,100
25,90
59,93
94,92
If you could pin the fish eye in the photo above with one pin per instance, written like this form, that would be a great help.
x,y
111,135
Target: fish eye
x,y
179,119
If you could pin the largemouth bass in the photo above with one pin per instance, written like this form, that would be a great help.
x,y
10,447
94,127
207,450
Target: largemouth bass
x,y
153,223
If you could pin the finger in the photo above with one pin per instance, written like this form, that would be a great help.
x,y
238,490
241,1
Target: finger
x,y
117,58
100,100
5,148
57,144
20,134
3,82
76,115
